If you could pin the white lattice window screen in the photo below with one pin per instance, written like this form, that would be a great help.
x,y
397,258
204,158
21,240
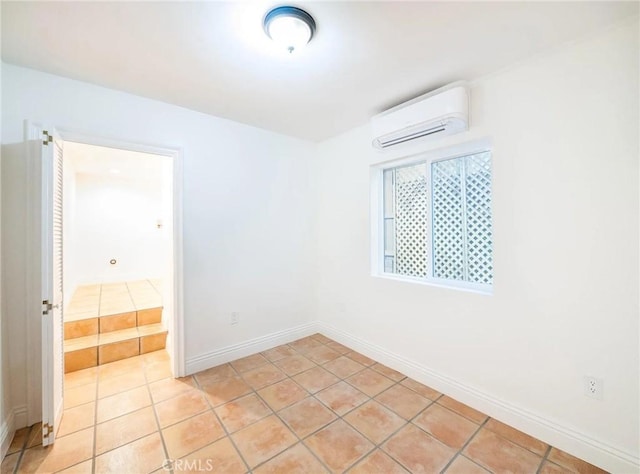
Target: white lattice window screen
x,y
443,230
448,221
462,228
478,218
407,227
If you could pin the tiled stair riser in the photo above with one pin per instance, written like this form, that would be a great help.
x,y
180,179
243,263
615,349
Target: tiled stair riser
x,y
118,350
153,342
80,359
115,322
112,322
84,327
149,316
113,346
118,321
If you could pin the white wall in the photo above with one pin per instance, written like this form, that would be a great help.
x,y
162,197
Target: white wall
x,y
6,418
114,200
13,255
247,208
565,304
116,217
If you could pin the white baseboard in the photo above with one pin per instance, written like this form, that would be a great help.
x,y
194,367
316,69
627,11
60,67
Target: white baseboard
x,y
563,437
7,430
17,419
568,439
252,346
20,416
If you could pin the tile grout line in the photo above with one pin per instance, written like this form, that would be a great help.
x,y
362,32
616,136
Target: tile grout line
x,y
22,450
341,417
309,395
255,392
475,433
544,458
155,416
313,395
118,417
300,440
224,428
96,424
99,312
274,412
95,419
97,398
147,384
290,377
501,436
376,446
459,452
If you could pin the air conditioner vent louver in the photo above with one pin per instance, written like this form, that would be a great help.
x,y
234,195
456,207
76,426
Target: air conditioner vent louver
x,y
401,137
439,113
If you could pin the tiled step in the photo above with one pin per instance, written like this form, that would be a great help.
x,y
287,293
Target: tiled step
x,y
84,304
102,324
109,307
109,322
92,301
89,351
153,337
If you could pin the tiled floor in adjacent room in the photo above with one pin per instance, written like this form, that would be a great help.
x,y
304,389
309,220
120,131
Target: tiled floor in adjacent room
x,y
312,406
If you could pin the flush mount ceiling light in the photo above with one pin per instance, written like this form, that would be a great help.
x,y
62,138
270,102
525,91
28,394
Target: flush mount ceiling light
x,y
290,27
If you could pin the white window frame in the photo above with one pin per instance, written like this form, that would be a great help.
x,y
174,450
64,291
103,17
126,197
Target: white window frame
x,y
377,212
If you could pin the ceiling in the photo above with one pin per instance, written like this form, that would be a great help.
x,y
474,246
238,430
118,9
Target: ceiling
x,y
114,163
215,58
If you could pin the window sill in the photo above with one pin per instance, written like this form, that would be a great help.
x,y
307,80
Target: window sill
x,y
485,290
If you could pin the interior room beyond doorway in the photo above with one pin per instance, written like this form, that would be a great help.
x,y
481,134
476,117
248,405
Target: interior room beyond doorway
x,y
117,254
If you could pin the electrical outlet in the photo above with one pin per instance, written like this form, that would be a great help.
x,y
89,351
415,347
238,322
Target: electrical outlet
x,y
235,318
593,387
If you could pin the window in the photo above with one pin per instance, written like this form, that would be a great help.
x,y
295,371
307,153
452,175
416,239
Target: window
x,y
436,221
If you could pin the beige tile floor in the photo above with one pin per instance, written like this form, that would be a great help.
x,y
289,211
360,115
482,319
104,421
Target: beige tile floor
x,y
312,406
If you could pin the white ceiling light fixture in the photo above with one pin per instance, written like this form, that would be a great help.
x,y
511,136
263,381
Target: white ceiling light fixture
x,y
290,27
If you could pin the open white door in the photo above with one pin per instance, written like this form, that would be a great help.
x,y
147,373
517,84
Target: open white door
x,y
51,271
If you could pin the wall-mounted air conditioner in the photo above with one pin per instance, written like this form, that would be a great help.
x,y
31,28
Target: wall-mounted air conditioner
x,y
444,111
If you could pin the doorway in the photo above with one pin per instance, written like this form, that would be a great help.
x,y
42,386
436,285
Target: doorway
x,y
117,254
120,250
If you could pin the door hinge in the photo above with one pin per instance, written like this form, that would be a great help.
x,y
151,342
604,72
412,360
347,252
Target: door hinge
x,y
47,307
48,138
47,430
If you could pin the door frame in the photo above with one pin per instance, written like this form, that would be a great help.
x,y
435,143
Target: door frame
x,y
33,131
